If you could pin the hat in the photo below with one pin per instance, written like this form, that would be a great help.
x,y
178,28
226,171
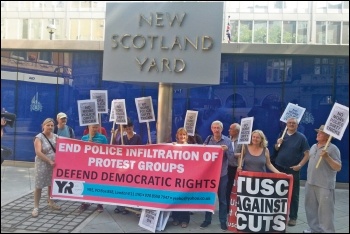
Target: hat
x,y
320,129
61,115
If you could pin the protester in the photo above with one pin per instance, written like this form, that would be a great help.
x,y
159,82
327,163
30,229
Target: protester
x,y
181,217
256,155
196,139
293,153
62,129
320,184
44,145
101,130
233,162
6,119
218,139
93,136
130,138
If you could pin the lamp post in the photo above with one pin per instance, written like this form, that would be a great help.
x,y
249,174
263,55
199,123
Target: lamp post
x,y
51,29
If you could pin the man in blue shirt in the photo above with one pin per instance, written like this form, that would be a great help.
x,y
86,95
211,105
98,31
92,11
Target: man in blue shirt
x,y
93,136
62,129
218,139
293,153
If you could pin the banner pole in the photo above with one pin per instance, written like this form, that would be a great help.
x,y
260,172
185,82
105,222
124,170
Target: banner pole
x,y
284,133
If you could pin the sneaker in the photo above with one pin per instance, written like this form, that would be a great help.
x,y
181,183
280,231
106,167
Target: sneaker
x,y
223,226
205,224
292,222
83,207
99,208
307,231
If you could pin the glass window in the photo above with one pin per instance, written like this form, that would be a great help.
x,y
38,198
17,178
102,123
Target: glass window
x,y
24,25
275,31
289,31
234,31
97,29
321,7
12,34
260,31
37,5
334,6
85,4
60,29
35,29
302,32
12,5
45,57
19,54
74,4
245,32
74,25
290,6
345,33
24,5
346,5
232,6
260,6
85,29
246,6
320,32
3,36
333,33
303,7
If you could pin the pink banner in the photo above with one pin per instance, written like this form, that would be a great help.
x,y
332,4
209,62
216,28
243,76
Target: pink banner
x,y
160,176
260,202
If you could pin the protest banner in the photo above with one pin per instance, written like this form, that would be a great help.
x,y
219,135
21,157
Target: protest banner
x,y
101,98
157,176
145,112
87,110
260,202
190,122
336,124
291,111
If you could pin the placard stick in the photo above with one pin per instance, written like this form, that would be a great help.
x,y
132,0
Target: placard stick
x,y
325,148
241,157
113,133
284,133
121,134
149,133
100,125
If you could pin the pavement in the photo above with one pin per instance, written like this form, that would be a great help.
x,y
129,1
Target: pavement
x,y
17,185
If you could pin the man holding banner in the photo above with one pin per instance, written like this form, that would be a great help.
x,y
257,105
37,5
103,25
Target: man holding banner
x,y
320,184
293,153
218,139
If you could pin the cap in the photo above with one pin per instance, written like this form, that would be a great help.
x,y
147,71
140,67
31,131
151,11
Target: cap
x,y
61,115
320,129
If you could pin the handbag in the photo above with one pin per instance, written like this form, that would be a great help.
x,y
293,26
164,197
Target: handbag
x,y
53,148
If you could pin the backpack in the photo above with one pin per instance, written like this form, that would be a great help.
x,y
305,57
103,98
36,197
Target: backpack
x,y
69,128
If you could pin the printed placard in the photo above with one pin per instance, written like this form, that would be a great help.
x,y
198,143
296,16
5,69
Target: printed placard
x,y
87,110
190,122
337,121
101,98
144,108
149,219
118,111
292,111
246,130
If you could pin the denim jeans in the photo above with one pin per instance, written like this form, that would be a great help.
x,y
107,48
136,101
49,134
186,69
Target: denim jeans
x,y
222,202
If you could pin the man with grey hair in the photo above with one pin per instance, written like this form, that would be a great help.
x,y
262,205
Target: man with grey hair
x,y
293,154
218,139
233,162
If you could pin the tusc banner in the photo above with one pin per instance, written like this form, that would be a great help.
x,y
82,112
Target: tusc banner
x,y
161,176
259,202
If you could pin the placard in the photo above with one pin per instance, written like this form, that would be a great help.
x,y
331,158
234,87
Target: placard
x,y
337,121
246,130
101,97
190,122
118,112
87,110
292,111
144,108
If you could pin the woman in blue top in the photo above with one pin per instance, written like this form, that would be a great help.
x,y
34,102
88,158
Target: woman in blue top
x,y
256,155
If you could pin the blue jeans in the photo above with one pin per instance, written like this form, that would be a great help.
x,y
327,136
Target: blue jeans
x,y
222,202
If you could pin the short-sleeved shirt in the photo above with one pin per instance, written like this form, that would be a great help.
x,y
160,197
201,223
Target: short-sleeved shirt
x,y
323,176
134,140
65,132
292,150
98,138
